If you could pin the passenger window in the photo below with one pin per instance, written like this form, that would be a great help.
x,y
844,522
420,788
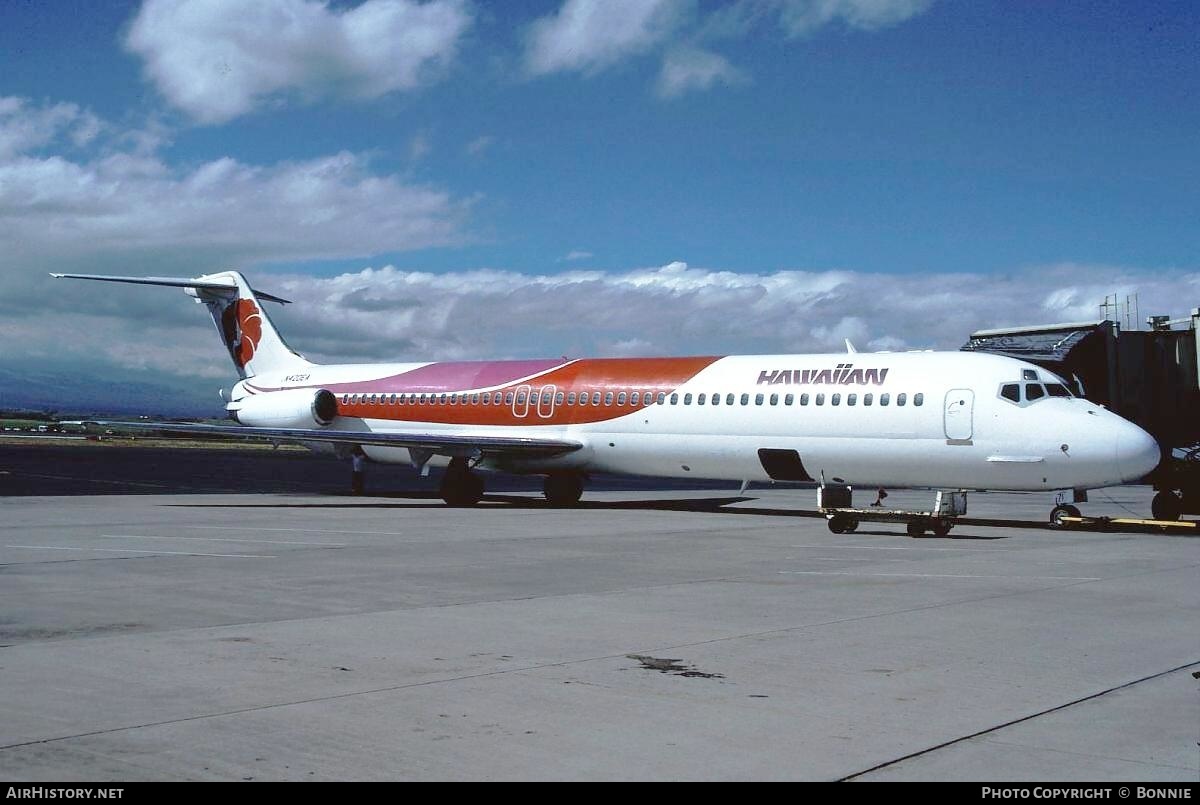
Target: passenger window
x,y
701,399
884,399
1034,391
635,398
867,398
422,399
774,399
487,399
497,397
474,399
804,399
345,399
745,399
454,399
687,399
716,399
788,399
412,399
674,399
851,399
571,398
521,398
621,398
729,399
608,398
1011,391
758,399
375,398
558,398
835,399
919,398
508,398
820,399
443,400
901,398
595,398
662,397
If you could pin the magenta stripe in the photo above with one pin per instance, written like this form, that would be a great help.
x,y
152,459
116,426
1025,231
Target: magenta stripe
x,y
447,376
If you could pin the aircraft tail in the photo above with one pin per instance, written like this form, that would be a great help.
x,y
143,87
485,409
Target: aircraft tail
x,y
254,344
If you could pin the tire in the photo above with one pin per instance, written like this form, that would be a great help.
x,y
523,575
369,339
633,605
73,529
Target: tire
x,y
916,529
462,489
942,527
838,523
852,525
563,489
1166,506
1058,512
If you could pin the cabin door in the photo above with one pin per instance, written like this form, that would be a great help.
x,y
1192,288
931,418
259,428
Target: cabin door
x,y
960,405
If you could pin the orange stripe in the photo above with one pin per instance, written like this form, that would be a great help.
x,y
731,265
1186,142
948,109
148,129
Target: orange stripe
x,y
602,375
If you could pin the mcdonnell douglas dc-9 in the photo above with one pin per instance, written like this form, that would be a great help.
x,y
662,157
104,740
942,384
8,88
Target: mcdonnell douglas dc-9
x,y
930,420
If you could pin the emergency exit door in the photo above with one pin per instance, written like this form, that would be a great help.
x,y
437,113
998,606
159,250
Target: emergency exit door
x,y
960,405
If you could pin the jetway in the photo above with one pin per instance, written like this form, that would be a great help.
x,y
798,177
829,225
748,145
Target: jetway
x,y
1150,377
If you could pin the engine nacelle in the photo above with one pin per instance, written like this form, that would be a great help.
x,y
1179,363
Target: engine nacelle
x,y
294,408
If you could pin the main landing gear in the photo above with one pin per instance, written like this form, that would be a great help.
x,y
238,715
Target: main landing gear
x,y
460,486
563,489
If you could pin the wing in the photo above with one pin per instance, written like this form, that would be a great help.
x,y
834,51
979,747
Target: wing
x,y
448,444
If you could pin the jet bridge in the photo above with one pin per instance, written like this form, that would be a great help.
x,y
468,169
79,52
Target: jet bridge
x,y
1149,377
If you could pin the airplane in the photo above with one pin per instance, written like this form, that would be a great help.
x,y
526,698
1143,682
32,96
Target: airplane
x,y
927,420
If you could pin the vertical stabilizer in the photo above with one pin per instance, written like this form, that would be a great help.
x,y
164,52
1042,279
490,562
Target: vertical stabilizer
x,y
254,344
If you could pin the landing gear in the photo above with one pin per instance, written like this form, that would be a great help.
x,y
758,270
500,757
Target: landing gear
x,y
1059,512
563,489
1166,505
842,523
460,486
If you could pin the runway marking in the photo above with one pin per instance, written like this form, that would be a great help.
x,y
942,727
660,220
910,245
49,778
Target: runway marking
x,y
133,550
226,539
303,530
902,548
935,575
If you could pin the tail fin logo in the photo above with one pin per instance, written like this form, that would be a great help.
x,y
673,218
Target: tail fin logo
x,y
242,323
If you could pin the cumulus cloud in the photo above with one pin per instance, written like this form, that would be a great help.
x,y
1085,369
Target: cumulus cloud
x,y
78,194
803,17
219,59
120,200
690,68
388,313
592,35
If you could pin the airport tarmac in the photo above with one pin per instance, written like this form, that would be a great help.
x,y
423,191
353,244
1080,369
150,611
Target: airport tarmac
x,y
156,624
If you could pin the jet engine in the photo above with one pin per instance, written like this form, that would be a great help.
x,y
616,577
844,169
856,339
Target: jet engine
x,y
294,408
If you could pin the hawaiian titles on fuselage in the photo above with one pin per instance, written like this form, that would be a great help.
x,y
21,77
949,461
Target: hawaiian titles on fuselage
x,y
844,375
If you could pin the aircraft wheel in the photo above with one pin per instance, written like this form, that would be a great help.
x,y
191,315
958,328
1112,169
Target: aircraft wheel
x,y
563,489
916,529
462,488
839,524
1059,512
1166,506
942,527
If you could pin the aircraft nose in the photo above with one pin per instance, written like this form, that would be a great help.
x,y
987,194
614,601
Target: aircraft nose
x,y
1137,452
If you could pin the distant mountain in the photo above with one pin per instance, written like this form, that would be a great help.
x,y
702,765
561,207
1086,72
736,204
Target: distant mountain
x,y
78,393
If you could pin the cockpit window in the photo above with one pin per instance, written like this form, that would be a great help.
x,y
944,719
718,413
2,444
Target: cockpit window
x,y
1011,391
1034,391
1058,390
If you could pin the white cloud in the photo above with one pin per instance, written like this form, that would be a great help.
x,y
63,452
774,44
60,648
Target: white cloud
x,y
799,17
118,207
689,68
592,35
802,17
121,201
577,254
219,59
388,313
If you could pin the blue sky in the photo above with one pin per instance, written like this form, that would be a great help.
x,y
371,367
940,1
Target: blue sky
x,y
794,154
